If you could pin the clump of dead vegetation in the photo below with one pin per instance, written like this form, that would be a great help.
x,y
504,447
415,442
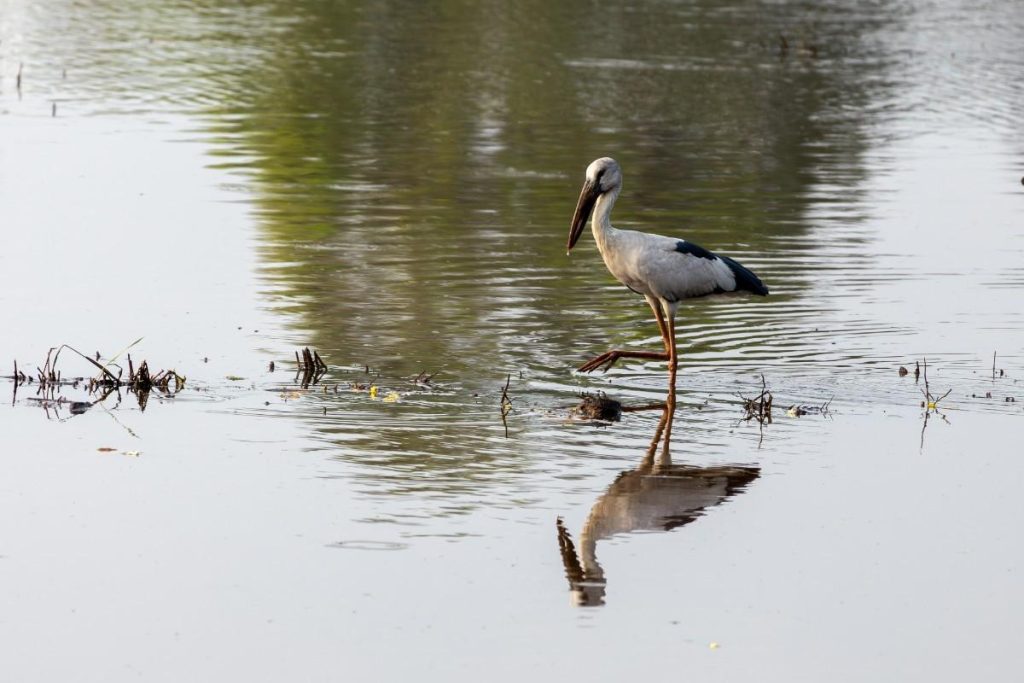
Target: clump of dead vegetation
x,y
598,407
49,380
759,407
310,368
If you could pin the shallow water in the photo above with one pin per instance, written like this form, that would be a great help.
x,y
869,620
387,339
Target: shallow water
x,y
392,186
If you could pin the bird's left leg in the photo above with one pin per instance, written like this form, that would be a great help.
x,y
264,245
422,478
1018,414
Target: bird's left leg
x,y
659,315
673,358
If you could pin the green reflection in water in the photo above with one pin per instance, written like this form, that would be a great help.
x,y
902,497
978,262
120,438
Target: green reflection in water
x,y
416,165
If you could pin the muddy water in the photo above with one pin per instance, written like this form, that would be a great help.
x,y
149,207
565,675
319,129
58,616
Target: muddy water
x,y
392,185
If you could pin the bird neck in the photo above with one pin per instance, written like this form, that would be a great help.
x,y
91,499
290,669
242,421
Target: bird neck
x,y
601,223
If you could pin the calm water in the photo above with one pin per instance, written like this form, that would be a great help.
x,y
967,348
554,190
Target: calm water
x,y
391,184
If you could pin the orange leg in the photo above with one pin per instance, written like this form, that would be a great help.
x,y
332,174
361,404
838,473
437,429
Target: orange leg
x,y
673,366
659,315
609,358
673,359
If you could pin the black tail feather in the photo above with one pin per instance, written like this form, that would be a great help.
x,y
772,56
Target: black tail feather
x,y
745,278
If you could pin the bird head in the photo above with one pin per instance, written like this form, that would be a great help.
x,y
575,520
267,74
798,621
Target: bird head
x,y
603,176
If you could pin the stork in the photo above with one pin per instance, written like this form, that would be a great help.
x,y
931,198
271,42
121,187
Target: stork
x,y
665,270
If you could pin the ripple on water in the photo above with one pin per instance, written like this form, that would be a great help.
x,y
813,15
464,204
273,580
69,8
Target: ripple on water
x,y
368,545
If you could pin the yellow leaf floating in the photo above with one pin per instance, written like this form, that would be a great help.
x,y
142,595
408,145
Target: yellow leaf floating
x,y
373,392
392,397
932,405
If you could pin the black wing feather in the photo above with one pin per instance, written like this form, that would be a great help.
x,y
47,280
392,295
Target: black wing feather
x,y
745,278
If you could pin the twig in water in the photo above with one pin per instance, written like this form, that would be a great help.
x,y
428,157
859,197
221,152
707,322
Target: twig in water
x,y
310,367
759,408
506,404
930,403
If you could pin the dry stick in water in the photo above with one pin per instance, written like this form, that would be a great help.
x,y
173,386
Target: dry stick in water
x,y
310,367
759,408
931,401
110,376
506,404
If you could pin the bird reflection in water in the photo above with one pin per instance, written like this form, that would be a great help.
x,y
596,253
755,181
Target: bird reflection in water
x,y
656,496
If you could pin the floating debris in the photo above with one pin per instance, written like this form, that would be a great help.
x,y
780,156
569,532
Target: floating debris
x,y
903,371
50,380
423,378
598,407
801,410
760,407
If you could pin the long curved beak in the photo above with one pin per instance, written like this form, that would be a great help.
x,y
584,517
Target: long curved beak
x,y
588,197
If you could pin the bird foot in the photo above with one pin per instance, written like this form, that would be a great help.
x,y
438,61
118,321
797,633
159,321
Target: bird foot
x,y
607,359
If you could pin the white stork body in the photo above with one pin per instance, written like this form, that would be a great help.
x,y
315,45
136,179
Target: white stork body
x,y
664,270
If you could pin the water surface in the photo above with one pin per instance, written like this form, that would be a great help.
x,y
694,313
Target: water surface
x,y
392,185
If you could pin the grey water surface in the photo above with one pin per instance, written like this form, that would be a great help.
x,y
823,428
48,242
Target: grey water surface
x,y
391,183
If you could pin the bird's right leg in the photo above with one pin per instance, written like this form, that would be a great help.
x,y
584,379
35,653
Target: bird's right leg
x,y
609,358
